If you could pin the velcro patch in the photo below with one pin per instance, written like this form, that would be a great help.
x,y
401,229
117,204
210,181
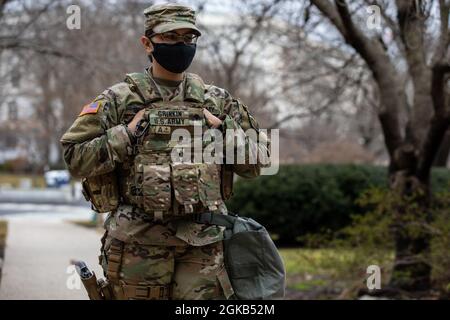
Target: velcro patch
x,y
169,121
91,108
160,130
172,114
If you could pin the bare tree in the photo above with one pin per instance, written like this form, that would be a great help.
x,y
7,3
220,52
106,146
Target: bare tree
x,y
59,70
413,126
231,54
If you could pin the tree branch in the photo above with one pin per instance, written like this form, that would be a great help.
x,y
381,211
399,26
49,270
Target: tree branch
x,y
3,4
444,33
373,53
439,123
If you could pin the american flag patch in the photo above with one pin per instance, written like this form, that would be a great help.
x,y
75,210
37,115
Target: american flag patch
x,y
91,108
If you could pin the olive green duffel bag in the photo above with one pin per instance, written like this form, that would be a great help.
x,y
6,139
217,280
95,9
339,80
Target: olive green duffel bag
x,y
254,266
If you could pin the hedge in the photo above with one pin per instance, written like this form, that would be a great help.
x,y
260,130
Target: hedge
x,y
306,199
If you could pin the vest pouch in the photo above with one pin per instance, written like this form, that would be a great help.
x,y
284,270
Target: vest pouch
x,y
185,184
209,186
102,191
155,186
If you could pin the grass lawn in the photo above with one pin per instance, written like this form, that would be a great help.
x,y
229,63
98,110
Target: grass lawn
x,y
85,223
3,232
328,273
14,180
96,222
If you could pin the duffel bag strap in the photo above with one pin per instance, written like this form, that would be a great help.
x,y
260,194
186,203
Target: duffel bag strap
x,y
218,219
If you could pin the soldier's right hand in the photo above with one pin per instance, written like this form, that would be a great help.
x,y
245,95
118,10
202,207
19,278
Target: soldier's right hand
x,y
138,117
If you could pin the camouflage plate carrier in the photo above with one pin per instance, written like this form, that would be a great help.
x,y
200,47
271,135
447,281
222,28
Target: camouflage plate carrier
x,y
152,180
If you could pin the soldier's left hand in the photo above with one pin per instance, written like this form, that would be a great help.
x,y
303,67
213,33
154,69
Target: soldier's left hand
x,y
213,121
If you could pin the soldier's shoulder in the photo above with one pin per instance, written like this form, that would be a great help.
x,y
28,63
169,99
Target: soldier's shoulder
x,y
120,91
120,95
120,87
110,104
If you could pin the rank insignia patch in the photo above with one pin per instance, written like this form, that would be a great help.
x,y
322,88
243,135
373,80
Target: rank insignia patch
x,y
91,108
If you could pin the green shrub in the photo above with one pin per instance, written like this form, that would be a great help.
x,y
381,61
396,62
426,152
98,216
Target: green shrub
x,y
309,199
371,239
440,243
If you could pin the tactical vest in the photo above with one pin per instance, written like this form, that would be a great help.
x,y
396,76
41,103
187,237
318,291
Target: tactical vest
x,y
153,179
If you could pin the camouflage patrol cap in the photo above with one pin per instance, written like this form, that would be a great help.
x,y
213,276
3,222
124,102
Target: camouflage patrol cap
x,y
166,17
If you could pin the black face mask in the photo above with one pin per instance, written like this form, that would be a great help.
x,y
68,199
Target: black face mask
x,y
174,57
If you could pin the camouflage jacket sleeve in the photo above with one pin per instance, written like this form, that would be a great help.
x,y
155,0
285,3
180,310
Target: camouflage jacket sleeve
x,y
96,141
251,151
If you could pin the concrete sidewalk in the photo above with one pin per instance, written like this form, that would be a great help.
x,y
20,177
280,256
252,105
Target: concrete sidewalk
x,y
38,251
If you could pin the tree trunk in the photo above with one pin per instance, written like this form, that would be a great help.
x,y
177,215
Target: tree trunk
x,y
411,271
412,147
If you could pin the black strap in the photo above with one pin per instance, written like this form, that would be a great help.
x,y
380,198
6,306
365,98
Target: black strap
x,y
226,221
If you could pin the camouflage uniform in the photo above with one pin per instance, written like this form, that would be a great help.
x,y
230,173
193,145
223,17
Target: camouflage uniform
x,y
147,254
